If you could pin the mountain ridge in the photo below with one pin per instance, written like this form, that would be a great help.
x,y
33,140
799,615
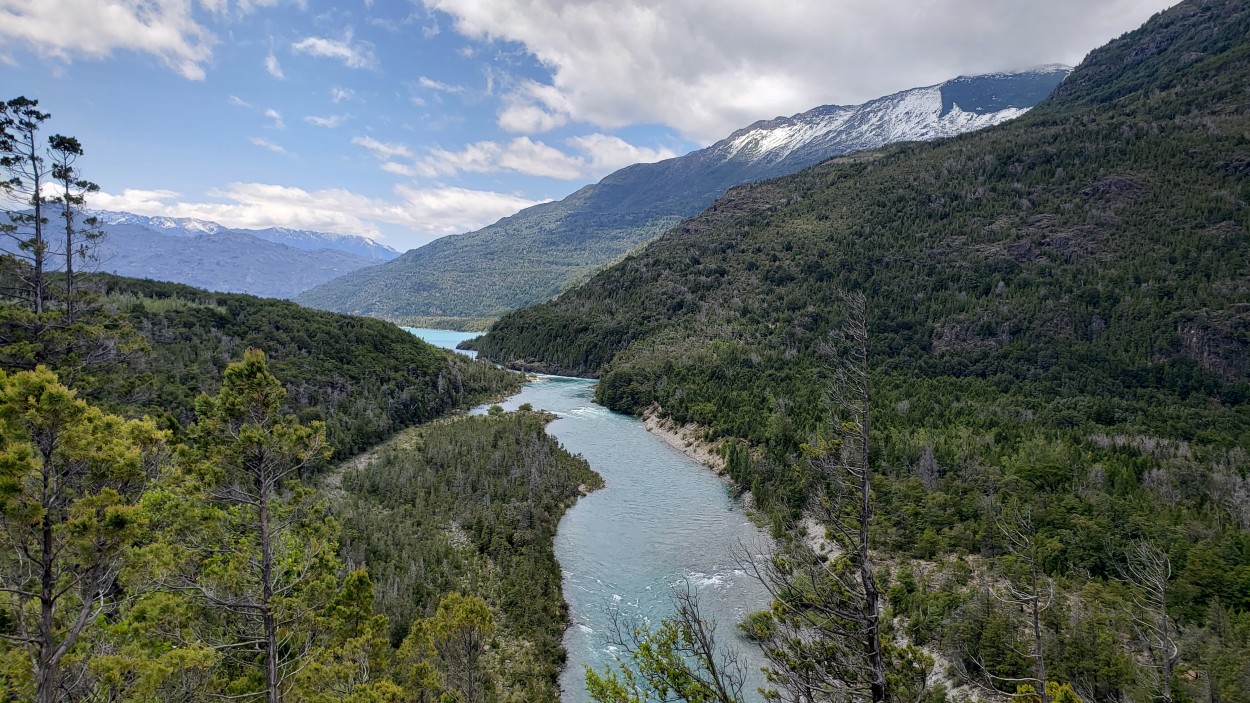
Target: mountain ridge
x,y
223,260
1057,327
534,254
309,240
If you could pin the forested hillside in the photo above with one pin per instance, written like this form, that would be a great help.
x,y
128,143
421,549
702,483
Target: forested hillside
x,y
471,505
1058,324
365,378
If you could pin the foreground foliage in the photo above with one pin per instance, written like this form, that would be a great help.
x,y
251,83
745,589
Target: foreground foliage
x,y
141,568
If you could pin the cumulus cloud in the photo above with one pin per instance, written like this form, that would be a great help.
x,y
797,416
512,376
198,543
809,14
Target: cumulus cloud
x,y
424,213
276,117
597,155
407,170
605,153
707,67
274,68
353,55
521,155
338,95
65,29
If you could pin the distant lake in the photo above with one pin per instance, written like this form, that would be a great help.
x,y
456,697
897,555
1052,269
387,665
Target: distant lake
x,y
447,339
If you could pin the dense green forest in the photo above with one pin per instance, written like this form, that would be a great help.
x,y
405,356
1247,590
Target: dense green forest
x,y
365,378
1058,323
200,569
471,505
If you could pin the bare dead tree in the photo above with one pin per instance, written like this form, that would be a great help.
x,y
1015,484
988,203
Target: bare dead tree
x,y
1149,569
1034,591
824,638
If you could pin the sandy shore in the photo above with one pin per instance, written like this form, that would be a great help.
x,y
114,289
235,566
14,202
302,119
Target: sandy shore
x,y
685,439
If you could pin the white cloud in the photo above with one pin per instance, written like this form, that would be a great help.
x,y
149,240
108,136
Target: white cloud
x,y
338,95
274,68
524,118
239,102
600,154
330,121
266,144
359,55
521,155
383,150
276,117
64,29
605,153
707,67
431,84
399,169
424,213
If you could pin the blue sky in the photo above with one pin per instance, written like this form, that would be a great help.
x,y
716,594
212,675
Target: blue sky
x,y
409,120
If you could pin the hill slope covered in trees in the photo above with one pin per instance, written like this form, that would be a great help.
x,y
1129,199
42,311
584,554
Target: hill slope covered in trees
x,y
1058,323
365,378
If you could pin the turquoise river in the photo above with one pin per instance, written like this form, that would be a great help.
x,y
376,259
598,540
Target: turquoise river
x,y
661,520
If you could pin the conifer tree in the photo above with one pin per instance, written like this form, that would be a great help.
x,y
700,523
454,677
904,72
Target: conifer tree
x,y
272,560
70,480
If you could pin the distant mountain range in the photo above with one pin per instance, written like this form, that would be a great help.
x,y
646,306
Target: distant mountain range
x,y
276,262
298,238
533,255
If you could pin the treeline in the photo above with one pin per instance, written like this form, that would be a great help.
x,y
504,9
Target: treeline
x,y
471,505
1057,320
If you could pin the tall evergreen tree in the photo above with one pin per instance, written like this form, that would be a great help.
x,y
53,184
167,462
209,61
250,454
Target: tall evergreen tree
x,y
70,480
24,189
272,559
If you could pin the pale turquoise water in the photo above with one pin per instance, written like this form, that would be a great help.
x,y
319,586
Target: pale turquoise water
x,y
447,339
660,519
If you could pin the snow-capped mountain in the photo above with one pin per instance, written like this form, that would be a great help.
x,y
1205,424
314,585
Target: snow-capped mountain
x,y
534,254
961,105
298,238
173,226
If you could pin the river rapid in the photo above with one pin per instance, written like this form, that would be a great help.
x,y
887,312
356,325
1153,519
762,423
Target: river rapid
x,y
661,520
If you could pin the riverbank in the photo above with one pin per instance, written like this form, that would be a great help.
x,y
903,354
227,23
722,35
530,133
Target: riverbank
x,y
687,439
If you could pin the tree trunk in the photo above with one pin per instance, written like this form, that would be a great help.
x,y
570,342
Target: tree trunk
x,y
1167,663
69,261
872,597
1037,640
38,249
270,622
45,673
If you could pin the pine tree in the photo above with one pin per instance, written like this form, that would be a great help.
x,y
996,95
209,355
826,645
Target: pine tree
x,y
70,480
272,559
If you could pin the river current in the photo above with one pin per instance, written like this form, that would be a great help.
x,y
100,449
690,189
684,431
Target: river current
x,y
661,520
